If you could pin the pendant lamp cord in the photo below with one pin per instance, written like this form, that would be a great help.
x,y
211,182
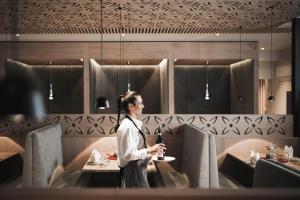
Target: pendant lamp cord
x,y
206,72
101,46
271,8
242,82
187,89
120,30
128,71
6,44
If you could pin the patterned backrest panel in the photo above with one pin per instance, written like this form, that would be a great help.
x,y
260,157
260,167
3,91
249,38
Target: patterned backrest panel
x,y
103,125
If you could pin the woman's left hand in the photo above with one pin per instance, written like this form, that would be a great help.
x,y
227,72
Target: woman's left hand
x,y
156,147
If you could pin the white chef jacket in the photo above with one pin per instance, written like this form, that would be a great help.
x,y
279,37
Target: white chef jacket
x,y
130,142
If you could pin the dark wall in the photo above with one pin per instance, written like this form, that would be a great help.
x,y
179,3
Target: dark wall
x,y
15,68
67,82
143,79
190,85
242,83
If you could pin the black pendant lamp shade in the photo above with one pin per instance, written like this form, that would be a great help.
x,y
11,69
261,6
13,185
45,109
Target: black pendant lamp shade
x,y
102,103
21,95
271,98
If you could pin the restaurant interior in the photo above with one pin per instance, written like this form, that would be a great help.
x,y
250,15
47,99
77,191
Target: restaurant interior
x,y
220,80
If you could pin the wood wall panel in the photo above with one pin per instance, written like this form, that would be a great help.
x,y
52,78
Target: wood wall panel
x,y
190,86
134,50
144,79
242,83
42,72
76,90
85,125
180,92
60,78
150,89
164,85
67,83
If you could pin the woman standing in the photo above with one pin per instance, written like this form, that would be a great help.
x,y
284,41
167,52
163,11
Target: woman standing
x,y
133,154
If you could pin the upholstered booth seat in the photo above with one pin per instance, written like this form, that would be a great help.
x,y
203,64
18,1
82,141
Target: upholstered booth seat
x,y
43,153
43,159
199,159
269,173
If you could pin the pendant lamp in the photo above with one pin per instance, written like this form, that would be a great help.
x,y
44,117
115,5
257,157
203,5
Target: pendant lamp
x,y
51,94
102,102
271,98
207,94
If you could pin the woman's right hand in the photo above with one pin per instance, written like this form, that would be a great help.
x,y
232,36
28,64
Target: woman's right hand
x,y
156,147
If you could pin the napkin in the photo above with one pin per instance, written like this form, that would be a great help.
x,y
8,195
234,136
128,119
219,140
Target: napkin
x,y
254,157
288,150
95,157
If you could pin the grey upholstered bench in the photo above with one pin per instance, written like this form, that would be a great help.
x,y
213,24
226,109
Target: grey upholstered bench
x,y
269,173
199,158
43,160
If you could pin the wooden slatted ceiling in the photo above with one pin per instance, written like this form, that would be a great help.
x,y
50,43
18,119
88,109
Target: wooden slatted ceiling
x,y
145,16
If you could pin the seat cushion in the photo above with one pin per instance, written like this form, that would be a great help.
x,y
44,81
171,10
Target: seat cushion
x,y
270,174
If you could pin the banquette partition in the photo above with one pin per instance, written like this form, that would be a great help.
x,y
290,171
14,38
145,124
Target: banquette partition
x,y
83,133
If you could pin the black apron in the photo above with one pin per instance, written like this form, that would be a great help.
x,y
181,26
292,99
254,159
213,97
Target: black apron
x,y
134,174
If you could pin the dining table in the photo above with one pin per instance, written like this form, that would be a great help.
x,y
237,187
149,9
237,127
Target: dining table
x,y
292,162
109,163
160,172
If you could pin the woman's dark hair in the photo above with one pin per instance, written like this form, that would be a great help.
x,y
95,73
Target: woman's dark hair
x,y
123,102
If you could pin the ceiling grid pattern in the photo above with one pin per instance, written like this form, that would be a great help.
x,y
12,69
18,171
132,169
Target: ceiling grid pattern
x,y
145,16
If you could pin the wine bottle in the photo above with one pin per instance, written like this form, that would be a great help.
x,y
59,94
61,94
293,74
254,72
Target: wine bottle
x,y
159,140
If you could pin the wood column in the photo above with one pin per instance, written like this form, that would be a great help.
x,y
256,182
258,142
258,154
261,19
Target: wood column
x,y
171,87
86,83
296,75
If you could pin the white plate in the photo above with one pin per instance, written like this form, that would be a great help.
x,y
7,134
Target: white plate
x,y
294,159
166,159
